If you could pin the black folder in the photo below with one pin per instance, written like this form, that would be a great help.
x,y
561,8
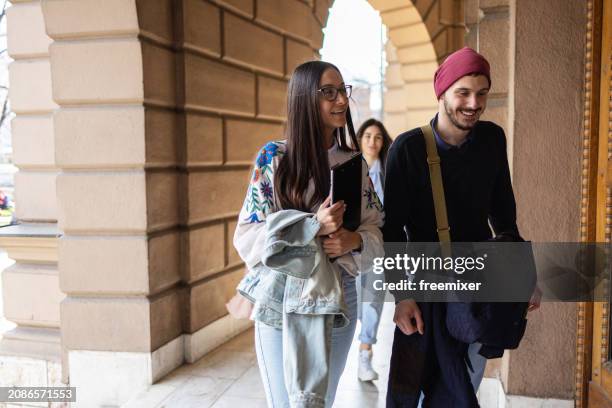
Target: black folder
x,y
346,186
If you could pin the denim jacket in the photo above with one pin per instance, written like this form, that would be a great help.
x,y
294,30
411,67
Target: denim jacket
x,y
294,272
256,241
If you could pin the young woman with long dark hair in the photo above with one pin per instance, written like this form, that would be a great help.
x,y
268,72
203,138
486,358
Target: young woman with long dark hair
x,y
293,177
374,141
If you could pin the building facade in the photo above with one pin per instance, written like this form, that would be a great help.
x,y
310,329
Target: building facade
x,y
137,122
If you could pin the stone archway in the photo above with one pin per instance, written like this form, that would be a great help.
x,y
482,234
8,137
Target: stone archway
x,y
421,35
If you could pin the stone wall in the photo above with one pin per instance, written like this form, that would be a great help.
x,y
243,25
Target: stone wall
x,y
31,352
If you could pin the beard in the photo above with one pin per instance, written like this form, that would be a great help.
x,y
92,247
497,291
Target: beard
x,y
453,115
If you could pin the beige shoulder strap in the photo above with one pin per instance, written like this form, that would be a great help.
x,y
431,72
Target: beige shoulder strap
x,y
437,188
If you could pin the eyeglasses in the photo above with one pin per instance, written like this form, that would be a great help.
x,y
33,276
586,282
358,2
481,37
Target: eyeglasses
x,y
330,93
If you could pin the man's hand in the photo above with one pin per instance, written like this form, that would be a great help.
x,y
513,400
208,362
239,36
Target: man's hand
x,y
341,242
536,299
405,312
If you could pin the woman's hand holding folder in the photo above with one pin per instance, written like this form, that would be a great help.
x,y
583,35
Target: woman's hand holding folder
x,y
330,217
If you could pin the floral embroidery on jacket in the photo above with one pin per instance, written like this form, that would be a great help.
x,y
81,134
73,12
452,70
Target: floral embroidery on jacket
x,y
266,154
266,189
373,200
256,175
260,197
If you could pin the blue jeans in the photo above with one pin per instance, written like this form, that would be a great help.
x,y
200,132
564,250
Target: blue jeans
x,y
368,312
478,364
268,345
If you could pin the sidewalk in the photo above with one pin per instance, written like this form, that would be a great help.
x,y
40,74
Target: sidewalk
x,y
229,378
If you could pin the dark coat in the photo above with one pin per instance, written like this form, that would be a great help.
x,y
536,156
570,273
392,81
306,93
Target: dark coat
x,y
478,190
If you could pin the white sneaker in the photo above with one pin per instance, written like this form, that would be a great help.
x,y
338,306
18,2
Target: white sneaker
x,y
366,372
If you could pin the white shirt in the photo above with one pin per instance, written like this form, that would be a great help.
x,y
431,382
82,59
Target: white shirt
x,y
376,175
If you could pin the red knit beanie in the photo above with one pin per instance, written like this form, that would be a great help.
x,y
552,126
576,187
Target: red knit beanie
x,y
457,65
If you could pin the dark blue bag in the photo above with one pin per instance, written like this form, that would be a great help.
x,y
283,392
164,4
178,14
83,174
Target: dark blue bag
x,y
498,326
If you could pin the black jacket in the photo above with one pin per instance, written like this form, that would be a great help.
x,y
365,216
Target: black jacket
x,y
478,190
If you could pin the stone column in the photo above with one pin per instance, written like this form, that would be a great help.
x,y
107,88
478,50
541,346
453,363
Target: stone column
x,y
30,354
548,112
535,99
113,75
394,104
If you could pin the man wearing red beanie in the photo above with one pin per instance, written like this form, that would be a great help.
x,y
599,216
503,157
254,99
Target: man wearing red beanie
x,y
426,361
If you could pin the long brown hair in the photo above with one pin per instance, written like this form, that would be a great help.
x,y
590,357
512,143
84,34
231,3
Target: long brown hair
x,y
306,155
382,155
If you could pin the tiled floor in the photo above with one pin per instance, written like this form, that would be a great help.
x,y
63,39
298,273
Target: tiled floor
x,y
229,378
